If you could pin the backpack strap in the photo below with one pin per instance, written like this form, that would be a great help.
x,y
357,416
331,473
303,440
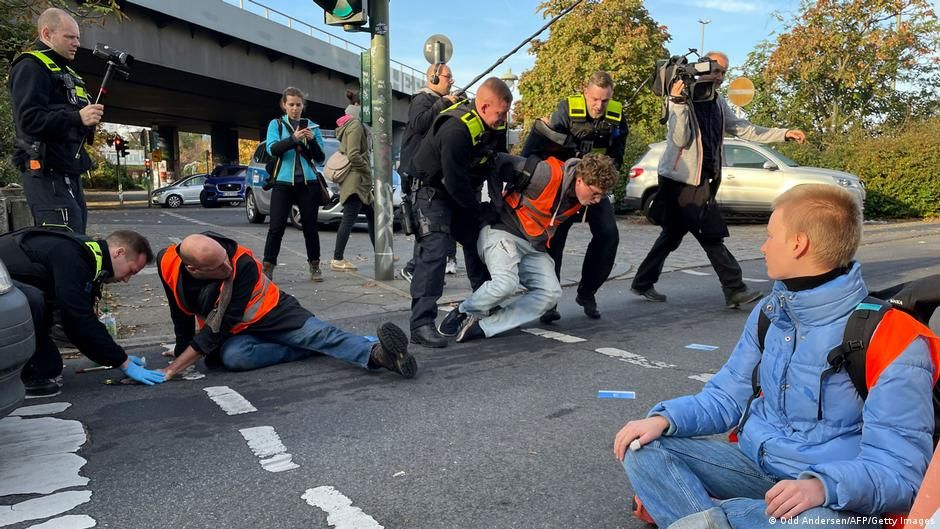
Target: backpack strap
x,y
763,325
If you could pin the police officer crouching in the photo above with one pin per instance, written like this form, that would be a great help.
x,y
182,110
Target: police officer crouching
x,y
591,122
54,117
452,163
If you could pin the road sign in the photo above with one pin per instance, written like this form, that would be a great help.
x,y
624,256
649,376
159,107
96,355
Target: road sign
x,y
438,49
741,91
156,156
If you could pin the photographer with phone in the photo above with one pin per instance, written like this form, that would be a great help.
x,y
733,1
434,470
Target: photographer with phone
x,y
295,144
54,116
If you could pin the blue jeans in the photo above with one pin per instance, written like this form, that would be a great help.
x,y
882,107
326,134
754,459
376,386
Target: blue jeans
x,y
512,262
246,351
695,483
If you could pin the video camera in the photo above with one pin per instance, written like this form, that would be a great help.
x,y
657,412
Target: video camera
x,y
678,68
103,51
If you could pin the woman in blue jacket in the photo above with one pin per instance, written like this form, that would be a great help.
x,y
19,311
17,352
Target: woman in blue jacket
x,y
296,144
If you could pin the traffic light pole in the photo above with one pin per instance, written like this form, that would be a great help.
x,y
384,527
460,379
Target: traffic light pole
x,y
382,141
117,158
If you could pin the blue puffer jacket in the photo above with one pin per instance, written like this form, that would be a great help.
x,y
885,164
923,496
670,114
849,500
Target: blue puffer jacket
x,y
871,456
284,146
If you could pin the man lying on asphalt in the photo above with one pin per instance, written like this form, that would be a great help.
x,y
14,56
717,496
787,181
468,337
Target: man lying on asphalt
x,y
246,322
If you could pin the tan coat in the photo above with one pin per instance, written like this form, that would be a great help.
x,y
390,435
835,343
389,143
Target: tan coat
x,y
354,143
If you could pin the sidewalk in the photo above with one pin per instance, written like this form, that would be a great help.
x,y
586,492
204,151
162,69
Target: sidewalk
x,y
143,316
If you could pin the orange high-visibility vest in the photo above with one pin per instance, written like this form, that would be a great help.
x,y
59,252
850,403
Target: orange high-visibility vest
x,y
264,295
539,217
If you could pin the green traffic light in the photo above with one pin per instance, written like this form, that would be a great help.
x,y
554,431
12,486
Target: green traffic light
x,y
342,9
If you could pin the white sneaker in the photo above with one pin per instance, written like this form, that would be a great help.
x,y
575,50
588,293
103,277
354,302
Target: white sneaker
x,y
343,265
451,267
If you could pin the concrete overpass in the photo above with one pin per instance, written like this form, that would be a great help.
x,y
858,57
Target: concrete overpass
x,y
212,67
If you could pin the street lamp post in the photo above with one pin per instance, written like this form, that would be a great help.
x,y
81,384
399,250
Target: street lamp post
x,y
510,79
703,22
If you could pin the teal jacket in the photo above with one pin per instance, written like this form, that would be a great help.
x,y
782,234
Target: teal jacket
x,y
281,144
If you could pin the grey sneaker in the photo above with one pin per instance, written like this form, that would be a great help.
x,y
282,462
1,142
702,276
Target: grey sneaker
x,y
315,273
649,294
741,297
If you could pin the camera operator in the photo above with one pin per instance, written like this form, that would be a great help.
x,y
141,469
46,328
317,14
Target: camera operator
x,y
689,176
53,114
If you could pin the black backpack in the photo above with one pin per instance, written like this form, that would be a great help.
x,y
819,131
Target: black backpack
x,y
919,299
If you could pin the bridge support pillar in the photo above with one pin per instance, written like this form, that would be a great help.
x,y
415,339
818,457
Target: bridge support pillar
x,y
224,144
170,149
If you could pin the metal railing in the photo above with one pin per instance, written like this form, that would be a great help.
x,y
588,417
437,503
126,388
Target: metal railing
x,y
404,78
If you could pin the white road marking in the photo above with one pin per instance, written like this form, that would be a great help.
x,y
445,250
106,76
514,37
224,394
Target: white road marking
x,y
229,400
72,521
177,240
694,273
43,507
340,512
148,271
704,377
41,409
266,444
553,335
753,280
38,455
632,358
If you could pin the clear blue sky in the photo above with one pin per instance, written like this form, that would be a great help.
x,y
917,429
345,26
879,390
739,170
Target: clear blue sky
x,y
484,30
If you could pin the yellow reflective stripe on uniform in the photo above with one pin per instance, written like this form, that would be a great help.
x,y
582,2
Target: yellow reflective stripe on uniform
x,y
474,125
577,108
46,60
96,251
614,111
81,93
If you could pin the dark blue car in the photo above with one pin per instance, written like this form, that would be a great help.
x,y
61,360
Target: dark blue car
x,y
226,185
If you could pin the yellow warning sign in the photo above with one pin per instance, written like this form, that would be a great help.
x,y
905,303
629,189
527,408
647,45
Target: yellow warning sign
x,y
741,91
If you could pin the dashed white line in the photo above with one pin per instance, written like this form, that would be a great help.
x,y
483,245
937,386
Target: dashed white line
x,y
632,358
340,512
753,280
38,455
694,273
229,400
704,377
266,444
553,335
72,521
41,409
43,507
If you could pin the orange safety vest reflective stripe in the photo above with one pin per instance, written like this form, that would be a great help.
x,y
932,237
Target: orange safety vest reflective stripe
x,y
264,295
540,216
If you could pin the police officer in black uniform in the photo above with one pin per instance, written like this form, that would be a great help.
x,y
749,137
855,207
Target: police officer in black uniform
x,y
452,162
54,117
425,106
60,270
594,123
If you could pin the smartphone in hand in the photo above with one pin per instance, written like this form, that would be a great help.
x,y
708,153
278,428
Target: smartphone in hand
x,y
304,123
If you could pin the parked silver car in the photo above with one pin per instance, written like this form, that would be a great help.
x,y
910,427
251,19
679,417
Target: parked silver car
x,y
258,200
752,176
183,191
17,342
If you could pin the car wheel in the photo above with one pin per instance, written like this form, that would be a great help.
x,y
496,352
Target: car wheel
x,y
295,217
251,209
174,201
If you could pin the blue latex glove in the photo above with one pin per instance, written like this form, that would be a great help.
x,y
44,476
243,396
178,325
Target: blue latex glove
x,y
139,360
142,375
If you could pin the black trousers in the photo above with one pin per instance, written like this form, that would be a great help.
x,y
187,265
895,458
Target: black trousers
x,y
438,226
725,265
46,361
351,209
601,251
56,198
307,199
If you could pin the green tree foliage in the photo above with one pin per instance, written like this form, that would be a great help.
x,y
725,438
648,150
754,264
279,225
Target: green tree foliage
x,y
17,31
841,64
617,36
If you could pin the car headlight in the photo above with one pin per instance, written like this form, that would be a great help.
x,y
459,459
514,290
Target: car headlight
x,y
6,282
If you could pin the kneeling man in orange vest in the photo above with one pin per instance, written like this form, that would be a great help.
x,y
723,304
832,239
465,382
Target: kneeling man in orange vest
x,y
539,199
246,322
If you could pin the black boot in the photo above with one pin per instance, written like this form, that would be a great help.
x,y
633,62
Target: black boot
x,y
392,351
428,336
590,306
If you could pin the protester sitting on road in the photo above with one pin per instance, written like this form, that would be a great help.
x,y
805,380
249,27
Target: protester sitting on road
x,y
296,144
514,248
58,270
355,191
246,322
809,445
